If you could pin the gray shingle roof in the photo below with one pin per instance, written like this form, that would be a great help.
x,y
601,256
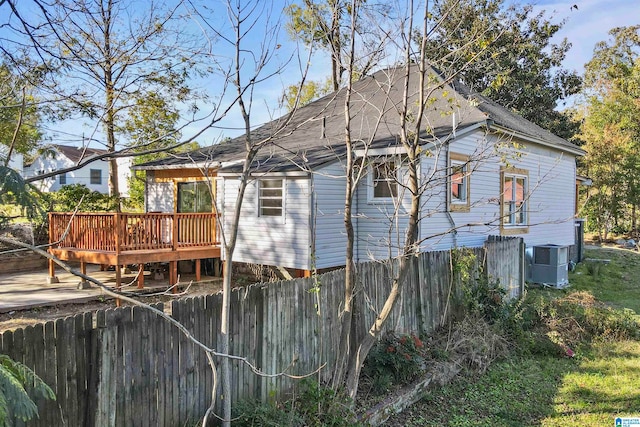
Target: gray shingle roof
x,y
314,134
75,154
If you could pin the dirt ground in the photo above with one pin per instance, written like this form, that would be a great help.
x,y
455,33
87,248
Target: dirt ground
x,y
15,319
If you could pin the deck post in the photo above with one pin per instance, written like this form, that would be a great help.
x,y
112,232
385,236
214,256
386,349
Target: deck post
x,y
198,270
173,275
141,275
118,282
52,273
83,284
118,230
52,265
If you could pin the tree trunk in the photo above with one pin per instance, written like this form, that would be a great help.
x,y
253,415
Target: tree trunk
x,y
357,360
225,366
346,317
110,116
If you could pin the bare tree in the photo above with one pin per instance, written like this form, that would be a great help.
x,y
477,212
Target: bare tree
x,y
410,93
249,67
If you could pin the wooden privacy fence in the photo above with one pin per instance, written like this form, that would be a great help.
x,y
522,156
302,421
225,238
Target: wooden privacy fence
x,y
127,367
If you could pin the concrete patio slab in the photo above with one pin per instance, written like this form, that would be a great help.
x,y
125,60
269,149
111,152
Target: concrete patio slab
x,y
25,290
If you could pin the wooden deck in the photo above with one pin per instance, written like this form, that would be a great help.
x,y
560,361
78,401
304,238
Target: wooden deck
x,y
120,239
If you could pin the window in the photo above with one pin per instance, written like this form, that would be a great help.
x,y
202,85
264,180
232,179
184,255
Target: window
x,y
459,183
514,198
63,179
384,182
270,199
95,176
194,197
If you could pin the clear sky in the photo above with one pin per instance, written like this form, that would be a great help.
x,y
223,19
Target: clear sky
x,y
590,23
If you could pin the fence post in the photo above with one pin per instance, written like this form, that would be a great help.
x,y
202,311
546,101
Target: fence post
x,y
523,266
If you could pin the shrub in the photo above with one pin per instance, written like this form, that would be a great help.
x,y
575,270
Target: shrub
x,y
394,360
67,198
253,413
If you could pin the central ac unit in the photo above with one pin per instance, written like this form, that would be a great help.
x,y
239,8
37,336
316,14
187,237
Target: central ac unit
x,y
550,265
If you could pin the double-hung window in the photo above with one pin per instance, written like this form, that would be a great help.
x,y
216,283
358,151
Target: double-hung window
x,y
95,176
63,178
459,179
384,180
270,197
514,198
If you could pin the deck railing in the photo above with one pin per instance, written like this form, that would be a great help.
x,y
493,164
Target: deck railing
x,y
121,232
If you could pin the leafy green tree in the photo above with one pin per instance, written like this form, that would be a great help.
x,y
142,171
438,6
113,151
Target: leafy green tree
x,y
611,131
151,126
326,25
19,115
297,96
507,54
73,196
18,386
14,191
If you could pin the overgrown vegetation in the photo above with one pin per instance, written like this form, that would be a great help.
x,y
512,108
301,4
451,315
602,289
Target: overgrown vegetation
x,y
555,357
310,405
573,359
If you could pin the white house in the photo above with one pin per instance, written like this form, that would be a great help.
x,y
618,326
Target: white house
x,y
16,160
94,175
484,171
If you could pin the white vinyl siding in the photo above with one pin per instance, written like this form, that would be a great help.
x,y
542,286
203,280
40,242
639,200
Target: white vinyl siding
x,y
271,240
380,223
328,209
550,204
45,164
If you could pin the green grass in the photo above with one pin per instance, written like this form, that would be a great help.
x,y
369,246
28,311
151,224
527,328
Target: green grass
x,y
591,389
517,392
604,386
617,283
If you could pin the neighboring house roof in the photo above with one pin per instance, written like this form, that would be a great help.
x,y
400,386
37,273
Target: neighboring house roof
x,y
314,134
76,154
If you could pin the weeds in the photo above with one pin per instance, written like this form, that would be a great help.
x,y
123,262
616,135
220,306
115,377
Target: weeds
x,y
312,405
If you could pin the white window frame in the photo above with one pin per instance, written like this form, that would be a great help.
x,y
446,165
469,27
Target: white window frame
x,y
460,204
260,197
510,221
62,178
391,181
